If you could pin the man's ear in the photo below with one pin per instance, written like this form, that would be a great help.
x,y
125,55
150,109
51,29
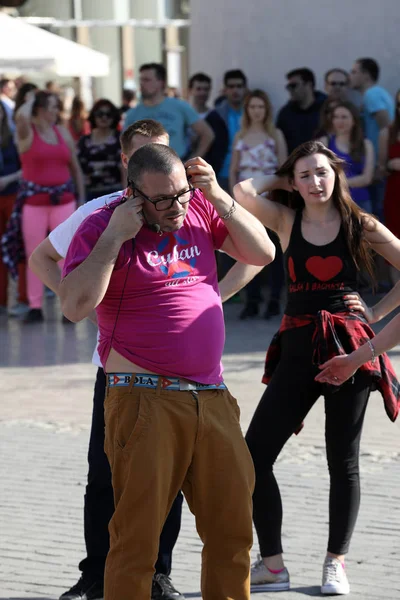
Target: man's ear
x,y
124,160
128,192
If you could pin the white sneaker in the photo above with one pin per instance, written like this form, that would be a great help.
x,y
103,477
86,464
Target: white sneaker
x,y
334,578
18,310
263,580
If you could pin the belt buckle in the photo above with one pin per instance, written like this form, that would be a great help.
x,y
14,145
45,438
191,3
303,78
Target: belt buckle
x,y
186,386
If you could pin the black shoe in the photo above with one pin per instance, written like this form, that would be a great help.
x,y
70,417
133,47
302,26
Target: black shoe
x,y
87,588
35,315
273,309
66,321
249,312
162,589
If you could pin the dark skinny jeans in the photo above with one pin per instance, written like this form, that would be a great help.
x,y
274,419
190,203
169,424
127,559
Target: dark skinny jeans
x,y
288,398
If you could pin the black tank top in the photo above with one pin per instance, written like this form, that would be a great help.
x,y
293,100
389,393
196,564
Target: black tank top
x,y
317,276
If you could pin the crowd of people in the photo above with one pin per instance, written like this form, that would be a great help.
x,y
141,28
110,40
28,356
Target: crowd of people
x,y
354,117
180,206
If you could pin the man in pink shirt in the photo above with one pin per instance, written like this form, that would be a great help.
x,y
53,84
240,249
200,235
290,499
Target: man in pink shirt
x,y
147,266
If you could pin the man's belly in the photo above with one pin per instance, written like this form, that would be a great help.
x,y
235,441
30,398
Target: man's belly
x,y
116,363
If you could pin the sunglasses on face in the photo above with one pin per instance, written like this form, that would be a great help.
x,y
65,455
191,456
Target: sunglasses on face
x,y
165,202
292,86
337,83
103,113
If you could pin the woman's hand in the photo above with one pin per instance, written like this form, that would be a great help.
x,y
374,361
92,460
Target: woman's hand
x,y
30,97
355,303
394,164
337,370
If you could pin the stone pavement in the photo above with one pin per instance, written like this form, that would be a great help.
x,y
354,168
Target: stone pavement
x,y
46,381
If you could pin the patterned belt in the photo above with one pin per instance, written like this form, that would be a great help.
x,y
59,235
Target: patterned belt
x,y
147,380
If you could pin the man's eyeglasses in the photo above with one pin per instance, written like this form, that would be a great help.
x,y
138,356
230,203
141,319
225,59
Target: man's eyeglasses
x,y
337,83
232,86
103,113
166,202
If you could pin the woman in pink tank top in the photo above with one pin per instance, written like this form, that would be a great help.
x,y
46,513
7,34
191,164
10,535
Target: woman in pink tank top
x,y
49,171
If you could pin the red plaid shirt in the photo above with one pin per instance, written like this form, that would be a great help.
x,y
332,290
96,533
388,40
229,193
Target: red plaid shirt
x,y
326,345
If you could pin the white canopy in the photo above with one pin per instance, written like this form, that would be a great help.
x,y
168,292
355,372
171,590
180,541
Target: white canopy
x,y
28,48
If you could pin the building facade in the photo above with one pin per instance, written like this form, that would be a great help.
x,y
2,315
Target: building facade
x,y
268,38
127,47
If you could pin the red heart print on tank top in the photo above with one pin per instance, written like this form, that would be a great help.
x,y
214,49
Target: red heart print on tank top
x,y
292,272
324,269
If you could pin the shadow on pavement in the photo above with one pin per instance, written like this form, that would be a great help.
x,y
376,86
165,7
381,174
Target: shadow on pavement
x,y
312,590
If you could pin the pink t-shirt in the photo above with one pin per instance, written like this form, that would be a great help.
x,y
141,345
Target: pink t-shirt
x,y
170,320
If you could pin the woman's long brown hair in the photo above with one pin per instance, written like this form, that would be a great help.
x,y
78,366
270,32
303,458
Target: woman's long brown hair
x,y
395,127
357,145
352,217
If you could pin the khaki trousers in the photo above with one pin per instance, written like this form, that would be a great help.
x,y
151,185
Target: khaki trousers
x,y
159,442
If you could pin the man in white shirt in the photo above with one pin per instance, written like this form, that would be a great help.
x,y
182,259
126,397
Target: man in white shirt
x,y
99,504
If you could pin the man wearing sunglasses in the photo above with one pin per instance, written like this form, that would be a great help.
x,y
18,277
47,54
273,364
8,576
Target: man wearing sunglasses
x,y
147,265
337,82
299,118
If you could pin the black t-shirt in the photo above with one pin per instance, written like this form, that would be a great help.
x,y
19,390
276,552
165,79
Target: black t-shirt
x,y
298,125
100,163
318,276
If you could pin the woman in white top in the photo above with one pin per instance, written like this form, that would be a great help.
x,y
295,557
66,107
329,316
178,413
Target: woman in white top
x,y
259,149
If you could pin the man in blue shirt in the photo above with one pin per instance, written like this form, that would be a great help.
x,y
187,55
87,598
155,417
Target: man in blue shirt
x,y
225,123
377,112
174,114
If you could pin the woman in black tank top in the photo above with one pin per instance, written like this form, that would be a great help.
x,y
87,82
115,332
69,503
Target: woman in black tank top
x,y
327,240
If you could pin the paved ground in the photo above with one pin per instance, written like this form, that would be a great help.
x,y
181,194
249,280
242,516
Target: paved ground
x,y
46,381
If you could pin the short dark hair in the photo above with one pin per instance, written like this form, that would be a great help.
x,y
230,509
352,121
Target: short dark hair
x,y
370,66
235,74
201,78
41,100
113,109
338,70
3,83
128,95
151,158
158,68
305,74
146,127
